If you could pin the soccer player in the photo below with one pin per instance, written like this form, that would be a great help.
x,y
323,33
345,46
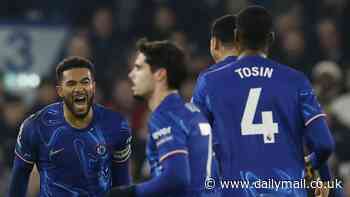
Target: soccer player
x,y
224,51
263,113
179,148
80,148
222,44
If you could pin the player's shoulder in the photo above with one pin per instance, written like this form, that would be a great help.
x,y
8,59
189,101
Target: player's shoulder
x,y
30,122
163,115
111,121
215,74
295,76
288,69
50,115
211,68
180,116
218,66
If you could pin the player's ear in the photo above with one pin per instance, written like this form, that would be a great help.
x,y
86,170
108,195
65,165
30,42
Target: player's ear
x,y
160,74
93,85
59,90
235,35
214,43
236,39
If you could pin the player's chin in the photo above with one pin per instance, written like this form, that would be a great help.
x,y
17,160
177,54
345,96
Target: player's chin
x,y
81,110
80,113
138,96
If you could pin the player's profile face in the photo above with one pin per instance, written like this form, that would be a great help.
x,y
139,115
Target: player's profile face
x,y
141,77
77,90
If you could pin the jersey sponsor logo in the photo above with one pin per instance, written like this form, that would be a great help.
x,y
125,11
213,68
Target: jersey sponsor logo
x,y
55,152
101,149
161,133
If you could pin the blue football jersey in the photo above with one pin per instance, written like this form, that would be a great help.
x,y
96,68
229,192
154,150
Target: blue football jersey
x,y
74,162
259,109
197,93
224,62
176,127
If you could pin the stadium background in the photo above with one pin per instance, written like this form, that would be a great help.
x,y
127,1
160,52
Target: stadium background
x,y
312,36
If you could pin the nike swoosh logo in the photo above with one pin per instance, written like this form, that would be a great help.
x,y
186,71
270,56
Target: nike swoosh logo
x,y
52,152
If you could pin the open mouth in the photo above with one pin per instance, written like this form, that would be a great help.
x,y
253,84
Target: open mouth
x,y
80,99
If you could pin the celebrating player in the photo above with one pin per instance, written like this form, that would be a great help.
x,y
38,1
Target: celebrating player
x,y
263,112
80,148
179,147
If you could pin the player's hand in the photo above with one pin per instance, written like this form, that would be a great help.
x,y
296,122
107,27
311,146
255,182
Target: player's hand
x,y
322,191
123,191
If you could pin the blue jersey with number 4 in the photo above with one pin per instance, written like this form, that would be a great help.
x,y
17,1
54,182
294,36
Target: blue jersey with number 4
x,y
259,110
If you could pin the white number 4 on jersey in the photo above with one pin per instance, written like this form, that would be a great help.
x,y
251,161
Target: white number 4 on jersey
x,y
267,128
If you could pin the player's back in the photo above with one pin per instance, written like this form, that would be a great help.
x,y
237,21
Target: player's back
x,y
256,104
175,127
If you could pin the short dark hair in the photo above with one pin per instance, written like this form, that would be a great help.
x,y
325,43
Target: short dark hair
x,y
223,29
254,25
73,62
164,54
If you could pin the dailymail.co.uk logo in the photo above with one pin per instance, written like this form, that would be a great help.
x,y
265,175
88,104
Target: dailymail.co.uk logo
x,y
161,133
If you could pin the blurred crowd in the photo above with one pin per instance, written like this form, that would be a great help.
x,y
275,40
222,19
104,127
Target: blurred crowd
x,y
311,36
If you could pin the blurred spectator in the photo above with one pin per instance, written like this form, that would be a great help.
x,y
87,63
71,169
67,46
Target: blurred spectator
x,y
4,172
122,98
107,50
329,40
164,23
326,77
78,45
287,22
341,107
197,64
46,94
181,40
293,51
125,13
14,112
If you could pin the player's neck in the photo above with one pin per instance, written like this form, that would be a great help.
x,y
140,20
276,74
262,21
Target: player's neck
x,y
225,54
76,122
251,52
158,96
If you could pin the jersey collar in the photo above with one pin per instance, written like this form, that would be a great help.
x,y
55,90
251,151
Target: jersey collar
x,y
168,101
263,55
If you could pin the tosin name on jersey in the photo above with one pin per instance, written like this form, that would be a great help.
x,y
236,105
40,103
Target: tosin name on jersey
x,y
254,72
